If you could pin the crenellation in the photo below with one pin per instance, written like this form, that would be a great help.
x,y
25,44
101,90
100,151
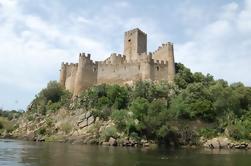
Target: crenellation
x,y
134,64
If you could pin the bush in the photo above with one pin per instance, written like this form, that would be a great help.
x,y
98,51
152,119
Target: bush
x,y
109,132
1,125
51,98
66,127
207,132
41,131
6,124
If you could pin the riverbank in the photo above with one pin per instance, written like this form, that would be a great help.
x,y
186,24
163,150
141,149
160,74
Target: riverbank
x,y
81,127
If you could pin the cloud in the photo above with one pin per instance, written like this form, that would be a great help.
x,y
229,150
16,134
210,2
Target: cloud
x,y
221,46
32,50
33,45
36,36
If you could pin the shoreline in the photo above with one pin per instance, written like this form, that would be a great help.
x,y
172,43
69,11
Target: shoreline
x,y
230,147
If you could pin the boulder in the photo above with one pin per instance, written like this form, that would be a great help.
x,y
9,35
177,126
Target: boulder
x,y
90,120
87,114
240,146
112,141
105,143
217,143
81,118
83,124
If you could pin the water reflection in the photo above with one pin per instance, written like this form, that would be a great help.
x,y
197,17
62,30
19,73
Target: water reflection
x,y
19,153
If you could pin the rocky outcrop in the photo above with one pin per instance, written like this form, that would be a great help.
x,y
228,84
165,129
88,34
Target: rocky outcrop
x,y
85,120
224,143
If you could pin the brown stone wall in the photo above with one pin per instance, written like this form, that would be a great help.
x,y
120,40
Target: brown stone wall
x,y
159,70
165,53
119,73
135,42
70,77
86,74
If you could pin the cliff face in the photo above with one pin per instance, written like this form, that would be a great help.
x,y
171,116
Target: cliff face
x,y
63,126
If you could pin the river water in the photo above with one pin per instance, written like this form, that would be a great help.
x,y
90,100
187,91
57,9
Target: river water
x,y
23,153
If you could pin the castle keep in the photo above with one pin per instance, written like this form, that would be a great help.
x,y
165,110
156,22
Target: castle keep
x,y
135,64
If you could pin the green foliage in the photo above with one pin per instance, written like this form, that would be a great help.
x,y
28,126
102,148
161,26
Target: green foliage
x,y
13,114
101,96
66,127
6,124
50,99
52,92
208,132
109,132
41,131
1,125
194,102
158,110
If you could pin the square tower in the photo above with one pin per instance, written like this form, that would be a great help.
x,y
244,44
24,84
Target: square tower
x,y
135,42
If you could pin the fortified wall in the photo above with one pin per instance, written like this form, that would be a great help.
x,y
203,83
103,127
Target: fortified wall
x,y
134,64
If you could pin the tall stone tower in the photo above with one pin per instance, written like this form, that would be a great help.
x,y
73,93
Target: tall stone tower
x,y
135,43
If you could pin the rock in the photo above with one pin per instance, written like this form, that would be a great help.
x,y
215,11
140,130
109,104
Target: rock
x,y
249,146
105,143
128,142
87,114
224,142
240,146
146,144
112,141
40,138
83,124
81,118
90,120
218,143
30,136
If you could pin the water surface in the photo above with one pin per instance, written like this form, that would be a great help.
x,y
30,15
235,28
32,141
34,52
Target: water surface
x,y
22,153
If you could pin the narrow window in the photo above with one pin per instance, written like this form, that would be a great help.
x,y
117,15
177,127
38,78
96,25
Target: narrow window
x,y
139,67
157,68
129,40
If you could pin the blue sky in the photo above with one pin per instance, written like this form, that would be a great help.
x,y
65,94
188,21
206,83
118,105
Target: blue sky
x,y
209,36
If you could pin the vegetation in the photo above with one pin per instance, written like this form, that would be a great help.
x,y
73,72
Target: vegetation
x,y
7,119
50,99
194,105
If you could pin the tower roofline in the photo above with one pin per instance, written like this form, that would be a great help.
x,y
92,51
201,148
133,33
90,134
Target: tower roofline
x,y
135,30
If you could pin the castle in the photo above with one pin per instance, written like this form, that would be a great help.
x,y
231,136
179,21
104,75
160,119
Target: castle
x,y
135,64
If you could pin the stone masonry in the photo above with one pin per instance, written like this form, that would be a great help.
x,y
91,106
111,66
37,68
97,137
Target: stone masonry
x,y
135,64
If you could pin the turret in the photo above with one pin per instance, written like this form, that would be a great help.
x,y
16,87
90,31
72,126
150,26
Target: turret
x,y
86,74
171,62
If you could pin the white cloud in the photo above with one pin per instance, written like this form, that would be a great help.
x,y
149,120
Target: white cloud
x,y
221,47
33,45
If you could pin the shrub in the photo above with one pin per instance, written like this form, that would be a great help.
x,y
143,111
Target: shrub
x,y
66,127
109,132
41,131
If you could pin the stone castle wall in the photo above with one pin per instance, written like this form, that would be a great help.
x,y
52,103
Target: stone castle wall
x,y
134,65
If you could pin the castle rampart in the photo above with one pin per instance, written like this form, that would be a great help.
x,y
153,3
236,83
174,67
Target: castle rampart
x,y
135,64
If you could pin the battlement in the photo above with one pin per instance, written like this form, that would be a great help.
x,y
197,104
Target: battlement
x,y
163,46
134,64
134,30
85,58
65,65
